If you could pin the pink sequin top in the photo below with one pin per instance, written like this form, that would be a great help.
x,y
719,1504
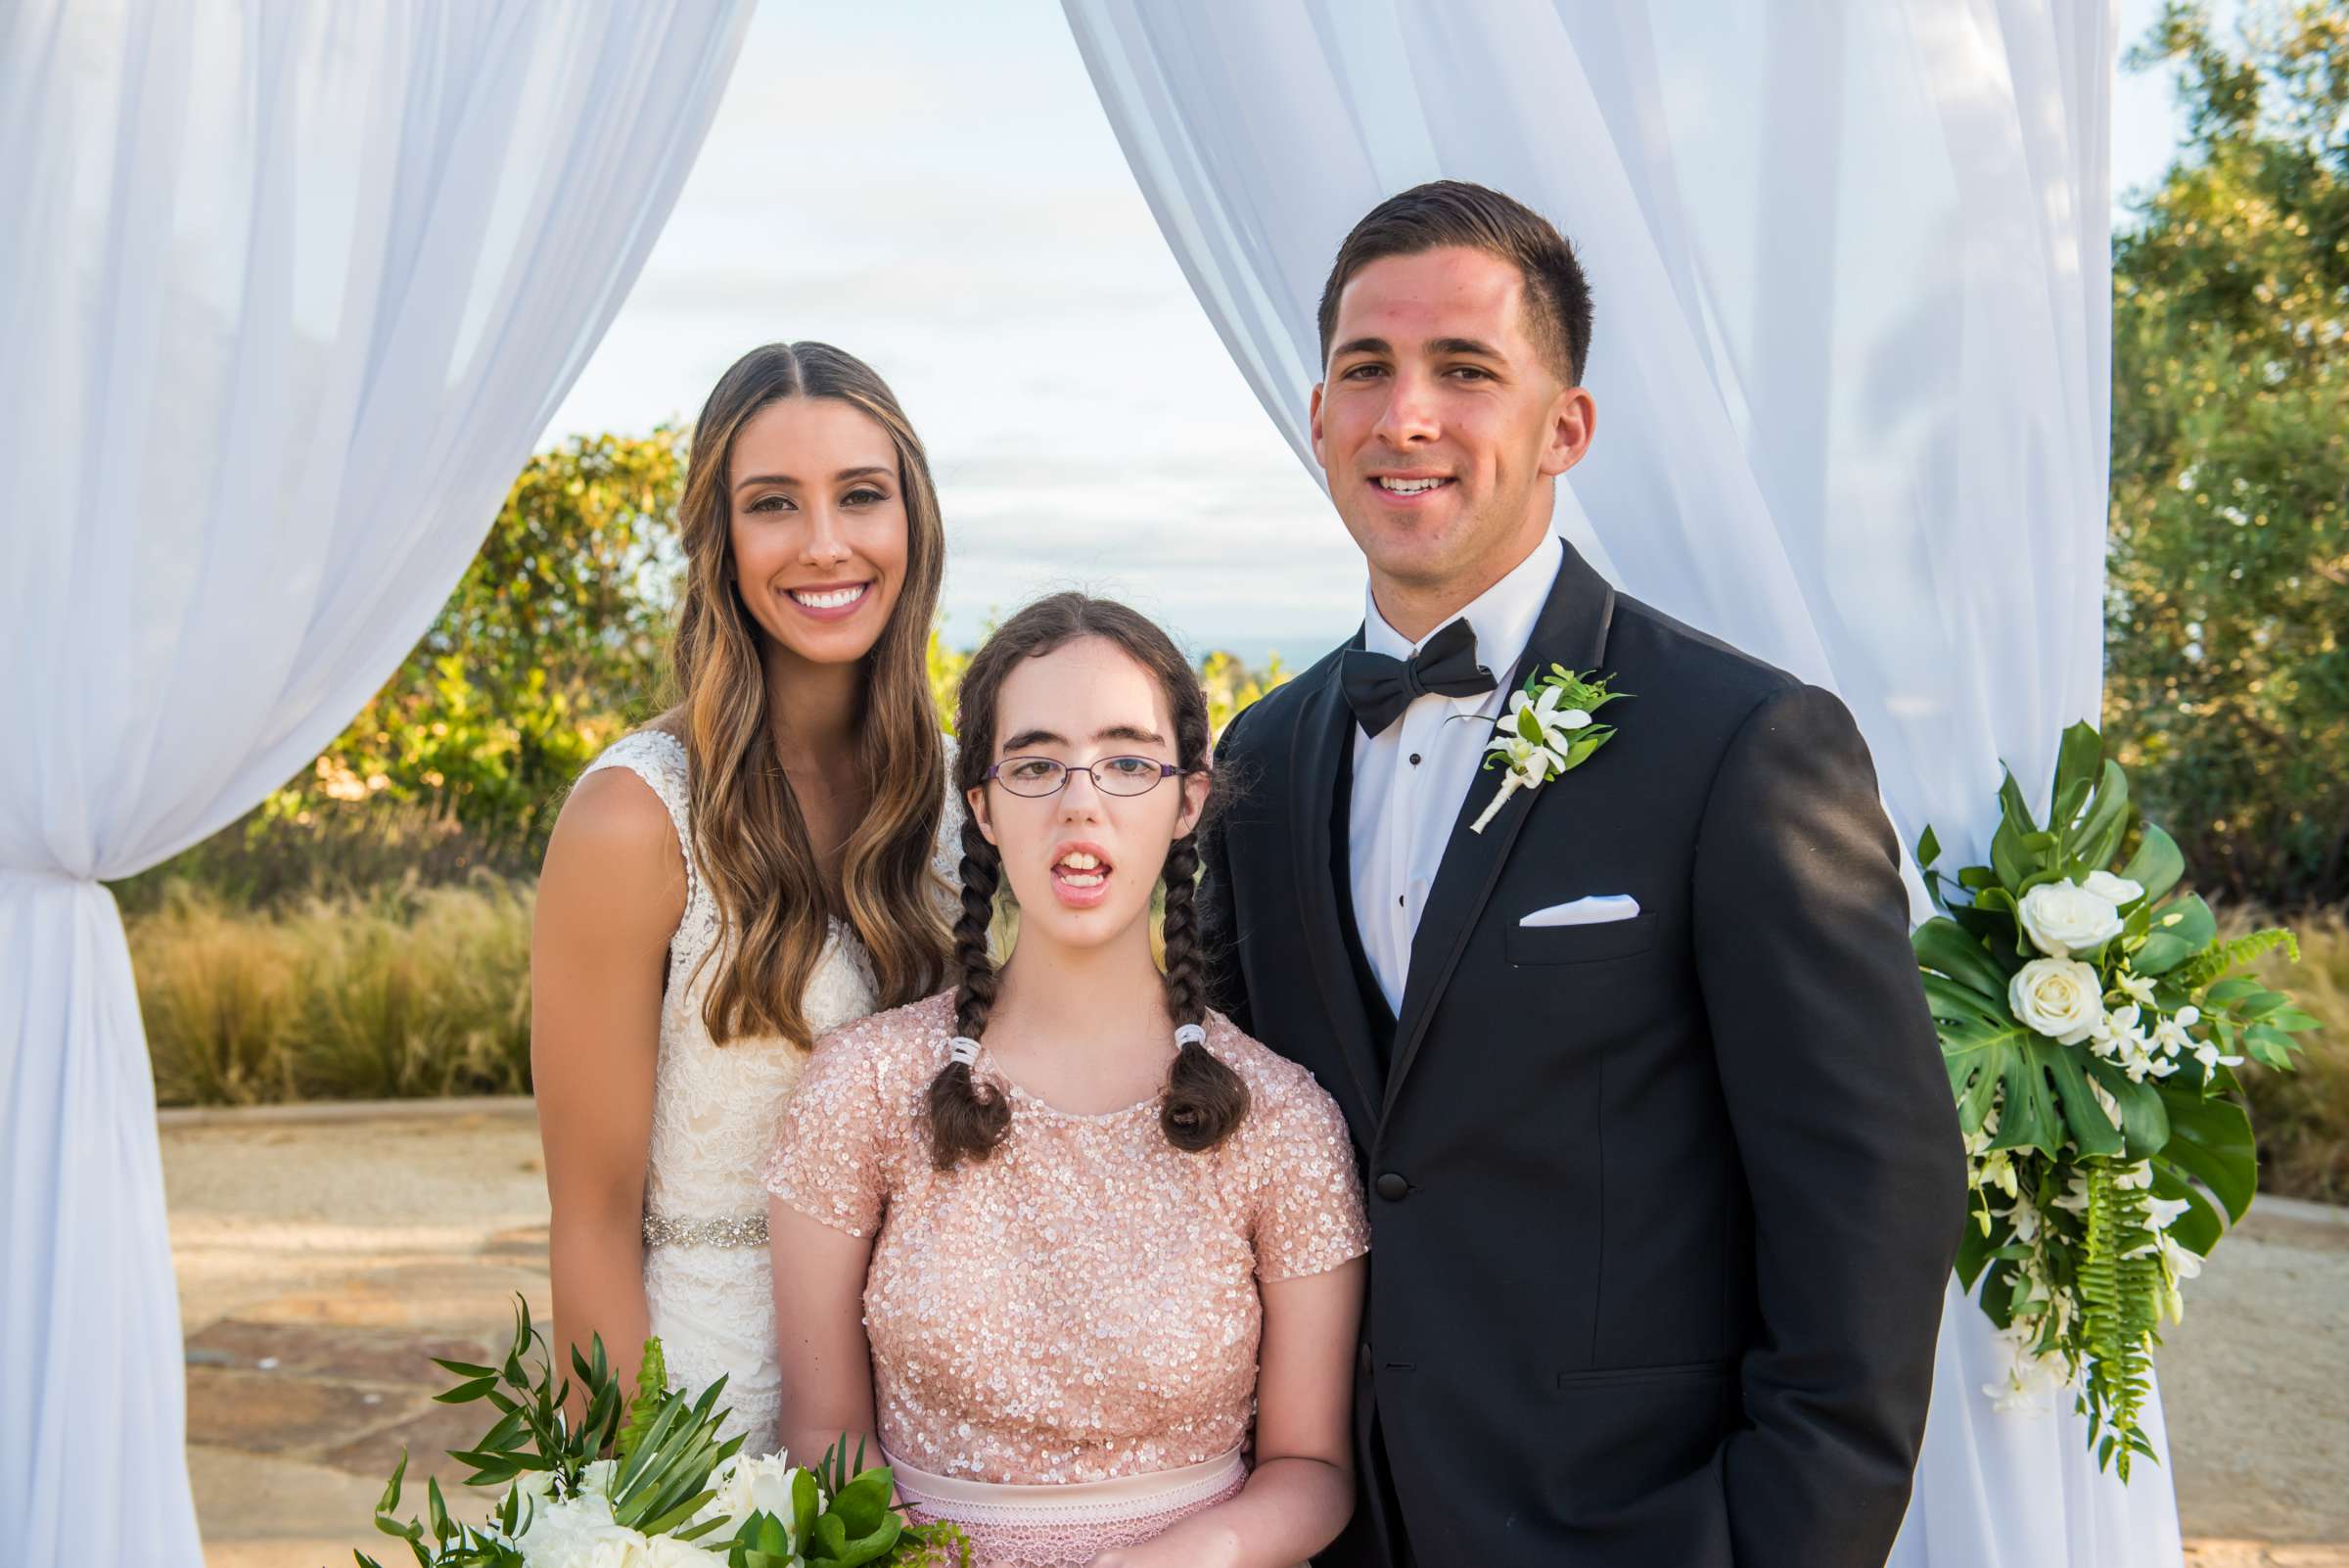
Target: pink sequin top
x,y
1081,1305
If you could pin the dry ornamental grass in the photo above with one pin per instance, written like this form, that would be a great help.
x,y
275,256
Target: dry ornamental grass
x,y
409,992
2302,1118
404,993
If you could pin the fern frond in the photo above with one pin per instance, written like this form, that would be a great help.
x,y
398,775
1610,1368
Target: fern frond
x,y
2120,1285
2228,956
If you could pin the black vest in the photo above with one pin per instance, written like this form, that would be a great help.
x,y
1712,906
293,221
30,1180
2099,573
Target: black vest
x,y
1341,876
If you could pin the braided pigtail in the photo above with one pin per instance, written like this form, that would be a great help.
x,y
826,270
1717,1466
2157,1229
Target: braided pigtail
x,y
969,1117
1206,1100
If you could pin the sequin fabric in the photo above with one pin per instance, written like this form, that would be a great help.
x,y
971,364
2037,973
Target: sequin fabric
x,y
712,1299
1082,1304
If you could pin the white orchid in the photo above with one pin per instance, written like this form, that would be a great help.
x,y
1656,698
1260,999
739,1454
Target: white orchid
x,y
2139,986
1534,736
2030,1380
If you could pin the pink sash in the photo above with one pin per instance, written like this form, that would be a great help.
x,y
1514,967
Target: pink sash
x,y
1063,1525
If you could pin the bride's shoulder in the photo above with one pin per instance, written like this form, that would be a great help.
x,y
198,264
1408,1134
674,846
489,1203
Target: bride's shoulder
x,y
655,755
628,808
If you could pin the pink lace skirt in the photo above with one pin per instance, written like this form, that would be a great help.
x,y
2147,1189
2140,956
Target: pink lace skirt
x,y
1063,1526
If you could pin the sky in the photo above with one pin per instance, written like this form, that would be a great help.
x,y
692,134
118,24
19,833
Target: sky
x,y
933,186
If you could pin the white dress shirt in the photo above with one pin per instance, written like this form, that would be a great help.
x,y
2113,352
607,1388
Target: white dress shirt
x,y
1410,781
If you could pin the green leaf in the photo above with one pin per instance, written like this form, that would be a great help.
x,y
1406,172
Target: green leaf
x,y
1948,946
802,1504
2098,839
864,1502
467,1392
2200,1228
1929,848
2211,1142
2229,990
2007,857
2156,865
390,1498
2144,1116
2180,930
2078,759
2044,1084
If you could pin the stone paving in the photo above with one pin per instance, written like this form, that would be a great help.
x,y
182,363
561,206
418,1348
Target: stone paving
x,y
321,1263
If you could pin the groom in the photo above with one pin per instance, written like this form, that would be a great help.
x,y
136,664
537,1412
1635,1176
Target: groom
x,y
1664,1174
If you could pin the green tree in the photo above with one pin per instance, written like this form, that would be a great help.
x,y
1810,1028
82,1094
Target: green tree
x,y
1231,685
2227,628
554,643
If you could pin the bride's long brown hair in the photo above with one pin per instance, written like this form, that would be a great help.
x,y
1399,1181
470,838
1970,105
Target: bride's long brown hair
x,y
751,842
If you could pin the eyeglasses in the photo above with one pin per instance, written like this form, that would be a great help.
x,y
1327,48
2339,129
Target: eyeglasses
x,y
1038,776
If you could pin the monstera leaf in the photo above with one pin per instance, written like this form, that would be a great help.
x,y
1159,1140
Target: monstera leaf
x,y
2046,1084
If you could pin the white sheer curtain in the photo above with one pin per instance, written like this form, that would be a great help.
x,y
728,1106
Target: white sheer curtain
x,y
1850,263
289,289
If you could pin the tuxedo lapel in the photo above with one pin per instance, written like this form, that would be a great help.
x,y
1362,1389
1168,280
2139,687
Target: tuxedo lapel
x,y
1317,749
1572,631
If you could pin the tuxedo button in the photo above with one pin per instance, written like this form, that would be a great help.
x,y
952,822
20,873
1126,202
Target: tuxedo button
x,y
1393,1187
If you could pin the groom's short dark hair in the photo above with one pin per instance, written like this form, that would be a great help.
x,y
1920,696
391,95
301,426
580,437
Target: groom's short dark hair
x,y
1445,213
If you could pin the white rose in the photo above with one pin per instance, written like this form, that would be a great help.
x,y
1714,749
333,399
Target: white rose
x,y
667,1552
2058,997
2062,920
572,1532
761,1485
2120,890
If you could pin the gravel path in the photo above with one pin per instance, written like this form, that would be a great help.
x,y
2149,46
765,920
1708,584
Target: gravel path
x,y
321,1263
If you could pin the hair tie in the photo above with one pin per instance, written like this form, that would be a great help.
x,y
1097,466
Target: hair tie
x,y
1190,1034
963,1049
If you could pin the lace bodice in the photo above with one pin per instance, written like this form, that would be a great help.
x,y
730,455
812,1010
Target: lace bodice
x,y
1082,1304
715,1109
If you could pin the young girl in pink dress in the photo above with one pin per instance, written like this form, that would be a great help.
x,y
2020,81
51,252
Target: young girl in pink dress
x,y
1083,1257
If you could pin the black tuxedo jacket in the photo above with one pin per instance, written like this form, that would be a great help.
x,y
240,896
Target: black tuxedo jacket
x,y
1662,1208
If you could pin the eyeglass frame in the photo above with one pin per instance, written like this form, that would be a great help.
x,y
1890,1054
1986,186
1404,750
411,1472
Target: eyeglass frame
x,y
1166,771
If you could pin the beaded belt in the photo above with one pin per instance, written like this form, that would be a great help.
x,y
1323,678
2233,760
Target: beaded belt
x,y
750,1232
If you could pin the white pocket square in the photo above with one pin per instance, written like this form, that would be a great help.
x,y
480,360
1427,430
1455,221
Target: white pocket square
x,y
1593,911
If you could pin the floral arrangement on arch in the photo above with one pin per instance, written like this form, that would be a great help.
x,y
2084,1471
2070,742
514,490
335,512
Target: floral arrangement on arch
x,y
2090,1022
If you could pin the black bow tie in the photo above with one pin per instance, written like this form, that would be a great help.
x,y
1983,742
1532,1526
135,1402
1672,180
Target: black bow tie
x,y
1378,688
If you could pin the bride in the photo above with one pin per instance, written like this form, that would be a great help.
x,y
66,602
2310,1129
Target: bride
x,y
758,865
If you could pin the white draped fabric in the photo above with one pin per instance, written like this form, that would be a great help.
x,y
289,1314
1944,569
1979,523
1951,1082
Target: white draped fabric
x,y
1852,269
287,293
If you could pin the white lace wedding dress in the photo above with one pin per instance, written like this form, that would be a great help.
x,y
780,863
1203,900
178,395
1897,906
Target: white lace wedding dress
x,y
715,1108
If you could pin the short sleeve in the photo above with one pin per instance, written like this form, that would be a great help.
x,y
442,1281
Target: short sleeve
x,y
1309,1214
829,1156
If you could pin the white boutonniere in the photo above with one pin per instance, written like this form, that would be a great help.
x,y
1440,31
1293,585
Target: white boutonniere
x,y
1548,729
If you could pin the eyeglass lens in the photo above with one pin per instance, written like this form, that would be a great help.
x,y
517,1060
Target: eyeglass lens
x,y
1112,775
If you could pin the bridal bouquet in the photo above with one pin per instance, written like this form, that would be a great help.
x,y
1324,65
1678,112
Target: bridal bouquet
x,y
2089,1022
648,1484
